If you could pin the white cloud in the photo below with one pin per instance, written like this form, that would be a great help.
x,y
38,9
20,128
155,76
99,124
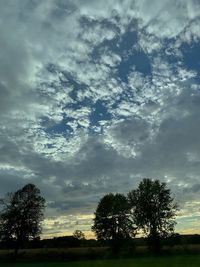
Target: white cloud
x,y
59,58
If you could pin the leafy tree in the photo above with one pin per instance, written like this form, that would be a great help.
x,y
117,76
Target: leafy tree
x,y
21,215
112,221
79,235
153,210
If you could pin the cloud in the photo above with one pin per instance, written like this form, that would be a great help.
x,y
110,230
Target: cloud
x,y
94,96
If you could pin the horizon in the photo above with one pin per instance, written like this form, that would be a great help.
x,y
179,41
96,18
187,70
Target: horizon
x,y
94,97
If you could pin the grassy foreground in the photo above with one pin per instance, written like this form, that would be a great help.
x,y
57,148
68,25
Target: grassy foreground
x,y
170,261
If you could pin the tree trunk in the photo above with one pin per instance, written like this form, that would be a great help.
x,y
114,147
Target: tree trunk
x,y
154,241
17,246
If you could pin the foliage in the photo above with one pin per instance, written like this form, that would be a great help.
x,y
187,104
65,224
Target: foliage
x,y
21,215
153,210
79,235
112,220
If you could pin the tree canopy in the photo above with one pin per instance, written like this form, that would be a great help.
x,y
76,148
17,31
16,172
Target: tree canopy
x,y
112,220
153,210
21,215
79,235
149,208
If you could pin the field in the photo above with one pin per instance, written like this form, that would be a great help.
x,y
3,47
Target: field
x,y
172,261
176,256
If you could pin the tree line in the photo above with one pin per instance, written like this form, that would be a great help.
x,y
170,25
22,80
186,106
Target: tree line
x,y
149,209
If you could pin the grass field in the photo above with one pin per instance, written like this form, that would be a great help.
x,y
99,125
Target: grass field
x,y
170,261
177,256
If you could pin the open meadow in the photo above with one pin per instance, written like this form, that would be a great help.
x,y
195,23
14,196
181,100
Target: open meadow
x,y
164,261
177,256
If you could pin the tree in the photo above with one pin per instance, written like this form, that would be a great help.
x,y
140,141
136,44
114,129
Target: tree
x,y
21,215
78,234
153,210
112,221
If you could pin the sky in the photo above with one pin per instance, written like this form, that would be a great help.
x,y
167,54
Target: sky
x,y
94,97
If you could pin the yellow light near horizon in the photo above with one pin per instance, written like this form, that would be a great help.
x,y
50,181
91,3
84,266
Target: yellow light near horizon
x,y
50,225
66,225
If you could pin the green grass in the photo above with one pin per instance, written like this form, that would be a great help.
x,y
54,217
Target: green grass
x,y
170,261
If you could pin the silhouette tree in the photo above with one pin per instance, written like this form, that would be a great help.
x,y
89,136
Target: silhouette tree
x,y
79,235
153,210
112,220
21,215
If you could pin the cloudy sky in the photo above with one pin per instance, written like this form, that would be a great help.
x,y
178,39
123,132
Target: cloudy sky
x,y
97,95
